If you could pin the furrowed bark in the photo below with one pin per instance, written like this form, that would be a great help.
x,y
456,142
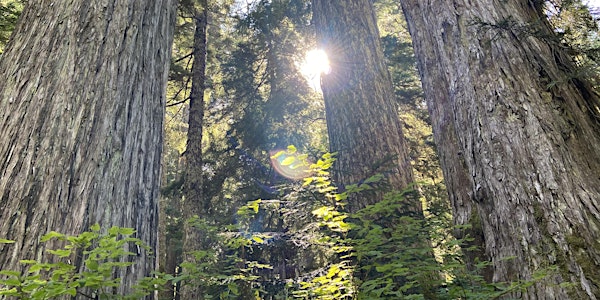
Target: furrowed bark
x,y
528,132
362,119
81,109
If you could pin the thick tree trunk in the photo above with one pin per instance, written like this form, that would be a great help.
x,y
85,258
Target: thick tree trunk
x,y
81,109
194,203
456,174
362,119
528,136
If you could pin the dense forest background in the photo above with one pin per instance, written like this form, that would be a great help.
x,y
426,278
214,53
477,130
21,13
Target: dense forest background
x,y
261,196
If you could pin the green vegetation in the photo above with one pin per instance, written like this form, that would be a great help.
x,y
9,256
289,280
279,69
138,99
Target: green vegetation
x,y
377,237
9,13
104,256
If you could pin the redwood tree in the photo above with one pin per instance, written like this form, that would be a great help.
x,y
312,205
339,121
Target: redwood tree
x,y
194,203
363,124
81,110
362,119
519,137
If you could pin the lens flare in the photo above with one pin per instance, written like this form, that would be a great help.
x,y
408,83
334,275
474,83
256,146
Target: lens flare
x,y
290,164
315,63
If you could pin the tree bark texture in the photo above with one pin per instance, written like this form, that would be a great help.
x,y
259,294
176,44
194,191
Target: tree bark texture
x,y
194,203
362,119
518,136
81,107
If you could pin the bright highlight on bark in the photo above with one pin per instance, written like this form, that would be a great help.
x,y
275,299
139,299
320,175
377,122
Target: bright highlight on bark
x,y
315,63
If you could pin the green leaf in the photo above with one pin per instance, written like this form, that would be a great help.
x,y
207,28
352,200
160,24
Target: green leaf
x,y
36,267
95,227
255,205
321,211
333,271
341,197
10,273
374,178
258,239
50,235
277,155
72,291
11,292
288,161
113,231
126,231
92,265
60,252
308,181
12,282
5,241
291,149
28,261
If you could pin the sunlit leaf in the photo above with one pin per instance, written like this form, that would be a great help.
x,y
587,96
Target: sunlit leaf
x,y
291,149
308,181
333,271
278,154
288,161
10,292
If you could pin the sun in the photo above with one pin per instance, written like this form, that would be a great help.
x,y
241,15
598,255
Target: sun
x,y
315,63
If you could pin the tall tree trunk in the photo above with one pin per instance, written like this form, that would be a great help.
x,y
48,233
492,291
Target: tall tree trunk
x,y
194,203
456,174
81,109
362,119
528,136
